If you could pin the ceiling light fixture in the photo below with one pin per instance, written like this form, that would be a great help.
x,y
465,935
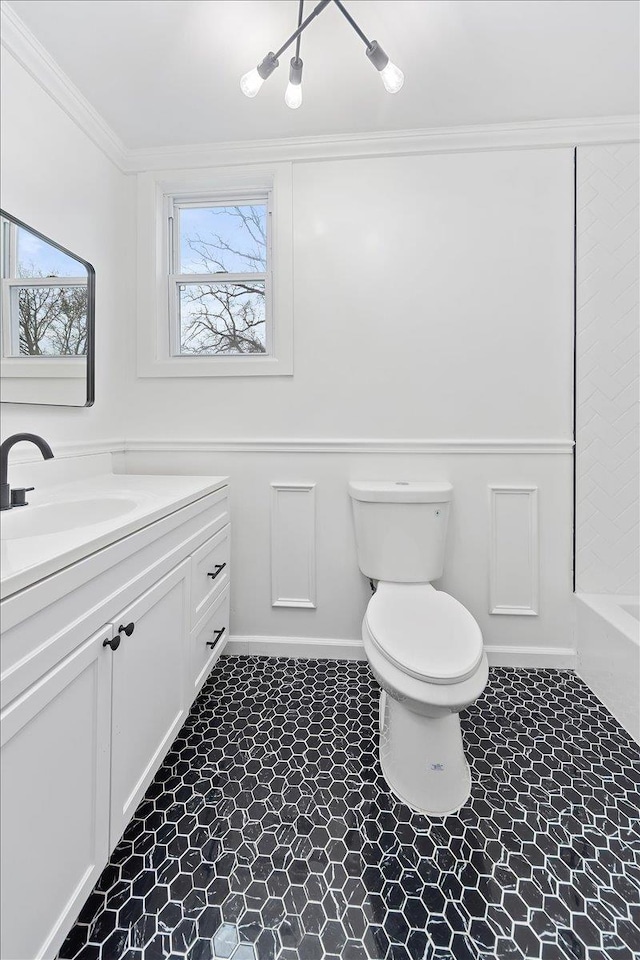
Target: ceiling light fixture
x,y
293,95
392,76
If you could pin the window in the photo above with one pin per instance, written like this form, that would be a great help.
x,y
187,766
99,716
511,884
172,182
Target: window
x,y
44,298
215,268
220,286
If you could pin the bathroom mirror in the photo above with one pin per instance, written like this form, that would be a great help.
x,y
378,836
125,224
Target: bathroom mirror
x,y
47,325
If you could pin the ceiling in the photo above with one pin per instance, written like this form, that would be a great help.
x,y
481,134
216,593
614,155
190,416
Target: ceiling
x,y
166,72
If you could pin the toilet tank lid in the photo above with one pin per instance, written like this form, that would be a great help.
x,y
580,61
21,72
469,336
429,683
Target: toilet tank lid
x,y
401,491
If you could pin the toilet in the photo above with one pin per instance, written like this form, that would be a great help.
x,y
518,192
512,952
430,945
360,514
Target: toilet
x,y
424,647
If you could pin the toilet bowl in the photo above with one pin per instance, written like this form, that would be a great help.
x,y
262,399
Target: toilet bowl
x,y
424,647
425,650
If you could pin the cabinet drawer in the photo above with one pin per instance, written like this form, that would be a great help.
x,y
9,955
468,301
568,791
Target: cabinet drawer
x,y
207,642
209,572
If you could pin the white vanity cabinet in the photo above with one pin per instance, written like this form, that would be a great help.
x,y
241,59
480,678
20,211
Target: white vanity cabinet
x,y
55,799
100,665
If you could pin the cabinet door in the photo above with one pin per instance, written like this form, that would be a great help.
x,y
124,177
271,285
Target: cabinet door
x,y
149,683
55,800
208,640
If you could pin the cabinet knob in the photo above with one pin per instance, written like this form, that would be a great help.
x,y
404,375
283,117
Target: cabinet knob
x,y
114,644
130,627
216,637
219,567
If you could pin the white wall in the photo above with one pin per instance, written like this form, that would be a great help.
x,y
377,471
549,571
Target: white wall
x,y
58,181
433,301
433,305
608,349
432,298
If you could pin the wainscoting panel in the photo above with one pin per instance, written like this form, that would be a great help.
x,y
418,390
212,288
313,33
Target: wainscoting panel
x,y
293,545
342,592
513,576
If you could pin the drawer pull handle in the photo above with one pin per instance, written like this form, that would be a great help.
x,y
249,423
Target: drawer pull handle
x,y
130,627
218,569
114,644
216,637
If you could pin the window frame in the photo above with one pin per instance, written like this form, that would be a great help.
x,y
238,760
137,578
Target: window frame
x,y
174,207
160,192
16,364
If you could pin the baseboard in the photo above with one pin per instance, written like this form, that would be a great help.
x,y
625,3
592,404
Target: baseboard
x,y
296,647
556,658
328,649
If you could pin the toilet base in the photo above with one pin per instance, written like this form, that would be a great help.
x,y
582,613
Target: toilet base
x,y
422,759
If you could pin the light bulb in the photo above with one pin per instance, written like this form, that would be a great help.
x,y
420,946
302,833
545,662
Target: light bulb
x,y
251,82
392,77
293,95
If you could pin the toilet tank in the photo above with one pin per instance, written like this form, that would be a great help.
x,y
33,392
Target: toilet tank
x,y
401,528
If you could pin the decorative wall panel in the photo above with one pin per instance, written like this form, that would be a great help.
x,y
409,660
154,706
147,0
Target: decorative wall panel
x,y
293,545
513,576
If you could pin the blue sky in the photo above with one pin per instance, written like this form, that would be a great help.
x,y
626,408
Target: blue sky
x,y
206,223
46,259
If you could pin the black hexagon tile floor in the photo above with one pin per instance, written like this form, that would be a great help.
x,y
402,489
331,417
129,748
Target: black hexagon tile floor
x,y
269,831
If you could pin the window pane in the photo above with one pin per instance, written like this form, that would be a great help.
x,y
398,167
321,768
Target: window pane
x,y
50,321
229,239
222,318
37,258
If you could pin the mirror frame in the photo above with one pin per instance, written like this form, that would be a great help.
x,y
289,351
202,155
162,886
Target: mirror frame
x,y
91,316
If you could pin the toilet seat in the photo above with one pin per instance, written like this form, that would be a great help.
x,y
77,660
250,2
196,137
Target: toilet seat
x,y
424,632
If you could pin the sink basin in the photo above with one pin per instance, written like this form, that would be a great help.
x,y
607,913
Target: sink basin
x,y
21,522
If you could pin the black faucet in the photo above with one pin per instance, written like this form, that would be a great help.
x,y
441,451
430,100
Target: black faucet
x,y
6,500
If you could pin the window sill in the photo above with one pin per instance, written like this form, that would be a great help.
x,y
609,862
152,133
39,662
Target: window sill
x,y
189,367
38,368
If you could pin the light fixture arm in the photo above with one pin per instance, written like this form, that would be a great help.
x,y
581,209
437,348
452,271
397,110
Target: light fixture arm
x,y
345,13
300,12
305,23
374,51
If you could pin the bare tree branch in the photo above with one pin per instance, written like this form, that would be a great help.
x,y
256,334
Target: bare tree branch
x,y
52,320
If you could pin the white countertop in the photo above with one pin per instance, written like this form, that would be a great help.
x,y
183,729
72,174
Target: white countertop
x,y
144,499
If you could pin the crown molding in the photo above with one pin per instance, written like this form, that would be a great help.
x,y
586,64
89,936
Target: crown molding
x,y
30,53
20,42
500,136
